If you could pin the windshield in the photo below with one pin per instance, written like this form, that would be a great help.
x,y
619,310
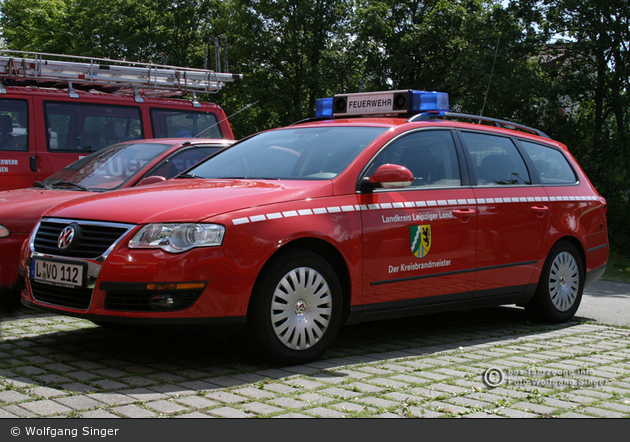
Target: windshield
x,y
310,153
106,169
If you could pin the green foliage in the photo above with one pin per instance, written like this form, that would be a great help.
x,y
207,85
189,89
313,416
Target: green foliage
x,y
560,65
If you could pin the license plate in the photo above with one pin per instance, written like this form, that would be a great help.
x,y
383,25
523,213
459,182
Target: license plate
x,y
57,273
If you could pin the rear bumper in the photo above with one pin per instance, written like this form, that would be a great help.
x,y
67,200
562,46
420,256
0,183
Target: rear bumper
x,y
594,275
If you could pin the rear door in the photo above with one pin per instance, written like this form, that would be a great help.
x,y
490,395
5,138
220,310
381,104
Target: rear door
x,y
75,129
513,213
419,242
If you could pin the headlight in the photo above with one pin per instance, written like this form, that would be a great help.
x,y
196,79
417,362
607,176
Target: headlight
x,y
177,238
4,232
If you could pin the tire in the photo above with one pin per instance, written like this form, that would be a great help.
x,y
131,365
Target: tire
x,y
559,291
295,310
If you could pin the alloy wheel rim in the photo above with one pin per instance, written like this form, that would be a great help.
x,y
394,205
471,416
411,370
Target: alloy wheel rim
x,y
301,308
564,281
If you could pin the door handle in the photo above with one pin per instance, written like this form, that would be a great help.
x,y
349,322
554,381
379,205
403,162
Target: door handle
x,y
464,214
540,211
33,163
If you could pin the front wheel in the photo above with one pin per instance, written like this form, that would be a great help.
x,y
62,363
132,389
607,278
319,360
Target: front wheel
x,y
560,287
295,310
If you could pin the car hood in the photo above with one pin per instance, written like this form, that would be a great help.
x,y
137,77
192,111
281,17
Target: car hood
x,y
188,200
21,209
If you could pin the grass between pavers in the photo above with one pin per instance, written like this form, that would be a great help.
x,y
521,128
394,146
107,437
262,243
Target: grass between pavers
x,y
432,406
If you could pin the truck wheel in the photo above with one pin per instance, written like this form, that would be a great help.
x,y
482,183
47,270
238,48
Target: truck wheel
x,y
560,287
295,310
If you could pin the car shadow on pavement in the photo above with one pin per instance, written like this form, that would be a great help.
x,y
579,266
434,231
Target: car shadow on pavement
x,y
74,355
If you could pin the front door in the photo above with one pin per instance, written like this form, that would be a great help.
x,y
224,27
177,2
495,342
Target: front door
x,y
419,241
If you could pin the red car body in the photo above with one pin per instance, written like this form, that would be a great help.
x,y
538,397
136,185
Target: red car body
x,y
21,209
389,248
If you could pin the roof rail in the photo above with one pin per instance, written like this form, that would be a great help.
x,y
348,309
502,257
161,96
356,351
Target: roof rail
x,y
106,75
498,123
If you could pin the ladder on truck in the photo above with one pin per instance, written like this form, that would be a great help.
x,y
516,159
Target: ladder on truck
x,y
106,75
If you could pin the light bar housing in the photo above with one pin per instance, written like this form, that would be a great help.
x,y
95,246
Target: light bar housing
x,y
383,103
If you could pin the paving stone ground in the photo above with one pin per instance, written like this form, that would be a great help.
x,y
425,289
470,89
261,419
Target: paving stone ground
x,y
489,363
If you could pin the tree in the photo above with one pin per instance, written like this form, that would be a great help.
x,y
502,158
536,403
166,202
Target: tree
x,y
594,76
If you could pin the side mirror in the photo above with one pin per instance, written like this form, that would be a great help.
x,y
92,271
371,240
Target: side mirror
x,y
151,180
390,176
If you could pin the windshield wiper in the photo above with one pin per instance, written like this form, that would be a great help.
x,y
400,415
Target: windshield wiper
x,y
70,183
189,175
40,184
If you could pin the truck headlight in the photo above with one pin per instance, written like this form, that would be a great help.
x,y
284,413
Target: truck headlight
x,y
177,238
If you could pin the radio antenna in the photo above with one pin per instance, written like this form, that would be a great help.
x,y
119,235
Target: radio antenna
x,y
496,50
247,106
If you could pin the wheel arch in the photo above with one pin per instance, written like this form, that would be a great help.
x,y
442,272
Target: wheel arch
x,y
578,245
328,252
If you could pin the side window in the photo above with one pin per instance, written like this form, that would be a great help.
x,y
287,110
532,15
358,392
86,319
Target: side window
x,y
168,123
552,166
182,160
90,127
429,155
13,125
496,160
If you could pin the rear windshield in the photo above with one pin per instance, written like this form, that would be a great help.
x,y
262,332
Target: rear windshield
x,y
312,153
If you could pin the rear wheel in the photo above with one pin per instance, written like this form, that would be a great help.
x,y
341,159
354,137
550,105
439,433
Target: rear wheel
x,y
295,310
560,287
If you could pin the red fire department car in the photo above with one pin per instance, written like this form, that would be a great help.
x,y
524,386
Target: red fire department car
x,y
386,205
134,163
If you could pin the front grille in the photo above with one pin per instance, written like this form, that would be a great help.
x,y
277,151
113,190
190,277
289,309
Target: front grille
x,y
138,301
91,240
78,298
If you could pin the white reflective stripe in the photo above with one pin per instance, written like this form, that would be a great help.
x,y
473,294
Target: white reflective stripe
x,y
406,204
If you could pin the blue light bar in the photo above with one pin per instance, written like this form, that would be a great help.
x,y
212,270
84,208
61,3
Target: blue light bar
x,y
383,103
324,107
422,101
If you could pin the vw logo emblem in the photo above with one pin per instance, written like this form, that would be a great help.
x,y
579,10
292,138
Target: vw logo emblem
x,y
65,238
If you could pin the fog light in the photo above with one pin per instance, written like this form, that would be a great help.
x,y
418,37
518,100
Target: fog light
x,y
162,302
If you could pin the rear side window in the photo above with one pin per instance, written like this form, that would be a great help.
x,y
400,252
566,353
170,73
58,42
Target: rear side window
x,y
552,166
90,127
169,123
13,125
496,160
182,160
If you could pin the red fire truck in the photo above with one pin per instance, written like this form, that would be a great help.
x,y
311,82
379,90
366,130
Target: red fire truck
x,y
56,109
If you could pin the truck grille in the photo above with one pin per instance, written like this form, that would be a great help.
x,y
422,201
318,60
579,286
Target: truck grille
x,y
91,240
